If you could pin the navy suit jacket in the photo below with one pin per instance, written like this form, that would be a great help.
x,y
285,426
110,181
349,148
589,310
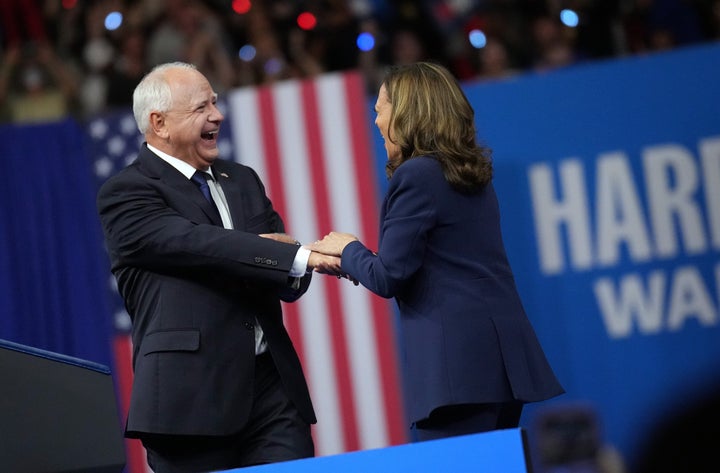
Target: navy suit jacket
x,y
464,334
194,291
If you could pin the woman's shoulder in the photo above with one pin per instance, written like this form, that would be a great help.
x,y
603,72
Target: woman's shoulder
x,y
425,171
420,162
425,168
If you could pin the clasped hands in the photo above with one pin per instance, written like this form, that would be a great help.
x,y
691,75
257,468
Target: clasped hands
x,y
324,254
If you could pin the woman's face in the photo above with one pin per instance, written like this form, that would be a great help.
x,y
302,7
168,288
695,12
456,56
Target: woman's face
x,y
383,108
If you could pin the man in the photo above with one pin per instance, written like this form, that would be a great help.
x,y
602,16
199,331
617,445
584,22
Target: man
x,y
202,268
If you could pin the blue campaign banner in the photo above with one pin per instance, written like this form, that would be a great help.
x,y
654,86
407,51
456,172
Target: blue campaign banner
x,y
608,176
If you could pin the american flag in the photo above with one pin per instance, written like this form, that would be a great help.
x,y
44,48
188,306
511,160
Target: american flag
x,y
309,141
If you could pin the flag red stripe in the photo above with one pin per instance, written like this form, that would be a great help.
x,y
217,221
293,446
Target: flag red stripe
x,y
382,315
266,111
319,188
122,347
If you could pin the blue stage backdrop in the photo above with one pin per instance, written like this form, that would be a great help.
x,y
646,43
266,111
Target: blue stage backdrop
x,y
53,266
609,183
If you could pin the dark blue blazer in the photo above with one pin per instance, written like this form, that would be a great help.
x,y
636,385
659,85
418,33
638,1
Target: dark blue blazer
x,y
194,291
464,334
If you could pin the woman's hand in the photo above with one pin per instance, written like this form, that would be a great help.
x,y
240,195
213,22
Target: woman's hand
x,y
332,244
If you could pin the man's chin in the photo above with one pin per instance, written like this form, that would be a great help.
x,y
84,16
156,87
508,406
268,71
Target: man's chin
x,y
206,159
210,154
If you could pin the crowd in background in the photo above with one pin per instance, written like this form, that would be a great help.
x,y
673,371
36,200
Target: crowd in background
x,y
59,58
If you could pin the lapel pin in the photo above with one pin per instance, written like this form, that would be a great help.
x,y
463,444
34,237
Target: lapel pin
x,y
224,175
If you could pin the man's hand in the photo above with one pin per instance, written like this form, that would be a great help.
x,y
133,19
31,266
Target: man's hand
x,y
325,264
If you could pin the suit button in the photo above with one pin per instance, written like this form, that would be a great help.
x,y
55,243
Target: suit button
x,y
249,326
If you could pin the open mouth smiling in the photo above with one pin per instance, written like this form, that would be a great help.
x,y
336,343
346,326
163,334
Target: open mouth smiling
x,y
209,135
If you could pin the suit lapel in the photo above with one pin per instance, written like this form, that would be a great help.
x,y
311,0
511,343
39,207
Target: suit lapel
x,y
157,168
233,194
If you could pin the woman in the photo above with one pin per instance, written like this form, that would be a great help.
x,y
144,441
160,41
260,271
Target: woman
x,y
471,358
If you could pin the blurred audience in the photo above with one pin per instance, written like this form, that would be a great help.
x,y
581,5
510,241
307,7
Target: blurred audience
x,y
74,57
494,61
35,85
125,72
554,46
192,32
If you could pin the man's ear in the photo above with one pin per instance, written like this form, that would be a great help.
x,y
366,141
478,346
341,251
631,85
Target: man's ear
x,y
158,125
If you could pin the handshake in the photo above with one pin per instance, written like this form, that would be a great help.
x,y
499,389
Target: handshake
x,y
324,254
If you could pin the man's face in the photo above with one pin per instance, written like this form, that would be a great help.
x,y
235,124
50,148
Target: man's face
x,y
193,122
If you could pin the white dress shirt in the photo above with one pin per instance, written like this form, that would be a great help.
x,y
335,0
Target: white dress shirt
x,y
299,266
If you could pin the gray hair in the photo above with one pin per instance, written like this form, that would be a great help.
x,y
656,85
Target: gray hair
x,y
153,93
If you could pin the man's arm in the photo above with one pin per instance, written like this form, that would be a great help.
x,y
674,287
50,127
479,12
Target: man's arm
x,y
145,228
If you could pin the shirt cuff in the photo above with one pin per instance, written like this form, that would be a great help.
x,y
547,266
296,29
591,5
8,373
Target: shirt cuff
x,y
299,267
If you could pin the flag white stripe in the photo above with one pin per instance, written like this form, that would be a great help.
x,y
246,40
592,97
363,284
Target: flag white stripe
x,y
294,161
329,434
301,218
246,132
357,311
339,160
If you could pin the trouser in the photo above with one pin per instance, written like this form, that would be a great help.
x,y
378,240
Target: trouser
x,y
464,419
275,432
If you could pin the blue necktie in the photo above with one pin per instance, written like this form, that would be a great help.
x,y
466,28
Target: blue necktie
x,y
200,178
